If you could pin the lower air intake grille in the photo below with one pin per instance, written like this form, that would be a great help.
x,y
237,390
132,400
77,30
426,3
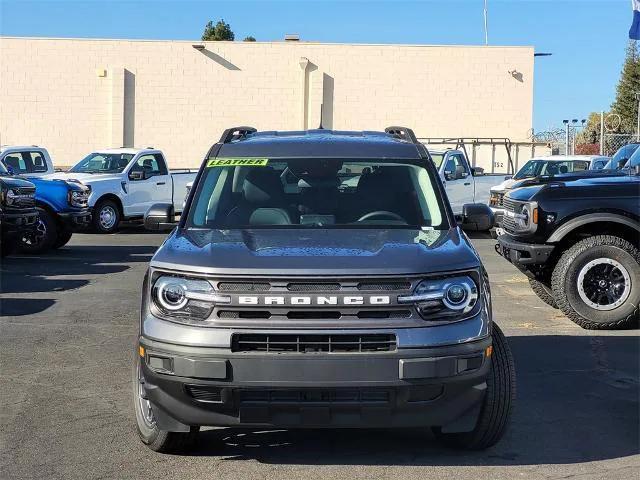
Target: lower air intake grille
x,y
284,343
205,393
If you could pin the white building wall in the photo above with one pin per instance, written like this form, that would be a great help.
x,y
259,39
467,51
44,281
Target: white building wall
x,y
76,95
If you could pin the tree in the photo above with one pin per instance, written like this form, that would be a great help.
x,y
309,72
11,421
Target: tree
x,y
249,39
218,32
626,104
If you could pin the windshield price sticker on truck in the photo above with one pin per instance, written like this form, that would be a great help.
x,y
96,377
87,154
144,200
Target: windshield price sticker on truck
x,y
238,162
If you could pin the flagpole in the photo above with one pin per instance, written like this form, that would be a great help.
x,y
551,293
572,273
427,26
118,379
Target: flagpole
x,y
486,30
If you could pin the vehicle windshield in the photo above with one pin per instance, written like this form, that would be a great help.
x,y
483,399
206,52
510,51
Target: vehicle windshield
x,y
315,193
103,163
534,168
625,152
634,161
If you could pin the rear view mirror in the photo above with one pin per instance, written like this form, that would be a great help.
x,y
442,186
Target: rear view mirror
x,y
160,216
477,217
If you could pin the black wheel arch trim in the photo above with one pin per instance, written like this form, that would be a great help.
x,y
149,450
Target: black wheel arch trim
x,y
577,222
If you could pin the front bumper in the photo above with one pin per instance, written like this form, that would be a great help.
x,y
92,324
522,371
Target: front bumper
x,y
522,254
441,386
76,221
15,223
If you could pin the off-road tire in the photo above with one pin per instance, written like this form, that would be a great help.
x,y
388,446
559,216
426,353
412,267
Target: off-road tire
x,y
51,234
564,282
159,440
497,404
95,217
63,238
543,292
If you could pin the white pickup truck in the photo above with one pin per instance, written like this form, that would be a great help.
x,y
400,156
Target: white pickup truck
x,y
463,183
125,182
28,160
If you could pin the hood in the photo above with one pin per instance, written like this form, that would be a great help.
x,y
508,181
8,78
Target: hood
x,y
506,185
316,252
567,177
14,182
86,178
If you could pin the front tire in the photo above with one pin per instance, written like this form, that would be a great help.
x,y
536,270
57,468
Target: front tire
x,y
106,216
543,292
596,283
44,236
497,404
157,440
63,238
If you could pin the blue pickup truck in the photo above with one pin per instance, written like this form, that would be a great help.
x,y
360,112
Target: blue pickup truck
x,y
62,205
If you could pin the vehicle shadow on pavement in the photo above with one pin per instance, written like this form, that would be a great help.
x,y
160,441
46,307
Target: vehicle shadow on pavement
x,y
578,401
42,273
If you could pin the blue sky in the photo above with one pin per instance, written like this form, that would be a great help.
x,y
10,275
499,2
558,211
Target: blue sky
x,y
587,37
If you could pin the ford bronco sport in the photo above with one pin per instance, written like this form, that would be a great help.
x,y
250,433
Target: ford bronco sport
x,y
319,279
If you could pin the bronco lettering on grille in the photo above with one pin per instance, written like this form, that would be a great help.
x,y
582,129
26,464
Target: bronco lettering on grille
x,y
315,300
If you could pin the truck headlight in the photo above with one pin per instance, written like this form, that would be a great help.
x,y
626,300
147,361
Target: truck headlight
x,y
448,298
494,199
187,298
526,219
78,198
10,197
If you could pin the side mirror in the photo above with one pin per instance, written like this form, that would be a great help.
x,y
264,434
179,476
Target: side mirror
x,y
461,172
477,171
160,216
10,169
477,217
136,175
448,175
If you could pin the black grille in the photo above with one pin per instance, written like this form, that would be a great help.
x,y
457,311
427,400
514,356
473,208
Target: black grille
x,y
384,286
244,314
205,393
326,396
243,287
313,287
508,223
500,199
314,343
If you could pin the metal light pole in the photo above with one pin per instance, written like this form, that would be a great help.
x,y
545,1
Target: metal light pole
x,y
486,24
566,137
638,129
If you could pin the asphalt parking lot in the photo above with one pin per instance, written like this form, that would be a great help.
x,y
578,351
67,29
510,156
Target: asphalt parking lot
x,y
67,335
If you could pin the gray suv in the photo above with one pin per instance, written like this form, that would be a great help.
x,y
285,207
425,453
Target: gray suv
x,y
319,279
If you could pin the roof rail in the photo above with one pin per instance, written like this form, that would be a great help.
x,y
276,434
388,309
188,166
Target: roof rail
x,y
235,133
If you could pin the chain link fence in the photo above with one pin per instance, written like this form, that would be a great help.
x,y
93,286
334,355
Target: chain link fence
x,y
614,141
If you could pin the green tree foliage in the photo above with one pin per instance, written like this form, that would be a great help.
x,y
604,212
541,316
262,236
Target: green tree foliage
x,y
626,104
218,32
249,39
591,131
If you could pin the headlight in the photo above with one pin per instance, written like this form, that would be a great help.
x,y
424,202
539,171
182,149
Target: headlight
x,y
526,218
185,298
78,198
10,197
449,298
494,199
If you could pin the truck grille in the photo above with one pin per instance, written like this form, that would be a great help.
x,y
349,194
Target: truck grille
x,y
22,197
331,301
313,343
508,223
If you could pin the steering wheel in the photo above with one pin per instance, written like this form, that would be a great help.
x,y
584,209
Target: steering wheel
x,y
381,215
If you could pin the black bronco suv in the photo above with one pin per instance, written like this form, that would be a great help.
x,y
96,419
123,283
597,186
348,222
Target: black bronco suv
x,y
577,241
319,279
18,214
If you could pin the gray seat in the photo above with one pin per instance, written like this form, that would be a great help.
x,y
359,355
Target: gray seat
x,y
263,201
